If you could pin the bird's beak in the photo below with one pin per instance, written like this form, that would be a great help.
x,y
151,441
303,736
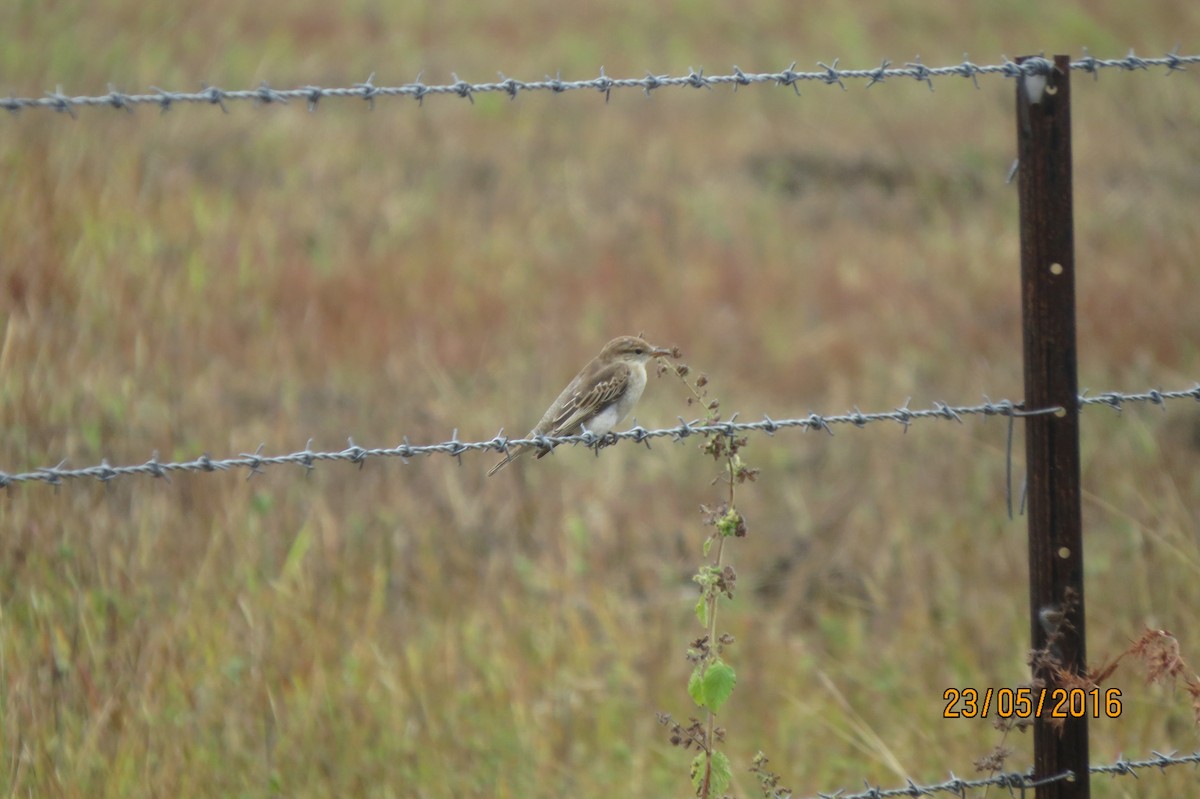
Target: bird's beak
x,y
659,352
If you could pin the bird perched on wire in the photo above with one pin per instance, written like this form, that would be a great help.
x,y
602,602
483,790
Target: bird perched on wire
x,y
600,396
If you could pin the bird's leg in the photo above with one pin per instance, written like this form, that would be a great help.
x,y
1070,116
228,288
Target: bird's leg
x,y
595,443
598,441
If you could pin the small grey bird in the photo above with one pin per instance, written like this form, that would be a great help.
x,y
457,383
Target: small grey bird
x,y
600,396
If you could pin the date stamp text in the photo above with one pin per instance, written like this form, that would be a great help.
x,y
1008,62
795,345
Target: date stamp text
x,y
1028,703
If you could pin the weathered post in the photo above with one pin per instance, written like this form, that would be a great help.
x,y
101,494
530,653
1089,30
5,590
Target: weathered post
x,y
1052,440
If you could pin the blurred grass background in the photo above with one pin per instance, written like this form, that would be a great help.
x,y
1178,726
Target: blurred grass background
x,y
201,282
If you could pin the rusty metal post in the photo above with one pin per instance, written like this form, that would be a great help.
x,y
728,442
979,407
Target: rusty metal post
x,y
1052,441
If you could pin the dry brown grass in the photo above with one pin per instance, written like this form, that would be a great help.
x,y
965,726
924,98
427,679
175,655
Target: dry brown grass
x,y
200,282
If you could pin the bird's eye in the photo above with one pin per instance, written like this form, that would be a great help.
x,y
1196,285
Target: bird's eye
x,y
638,351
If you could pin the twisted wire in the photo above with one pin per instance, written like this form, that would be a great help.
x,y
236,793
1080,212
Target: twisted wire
x,y
828,74
255,462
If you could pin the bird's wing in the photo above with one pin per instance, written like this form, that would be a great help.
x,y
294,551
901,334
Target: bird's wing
x,y
594,394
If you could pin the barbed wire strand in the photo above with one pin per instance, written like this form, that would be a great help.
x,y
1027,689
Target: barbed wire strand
x,y
828,74
955,785
256,462
1018,782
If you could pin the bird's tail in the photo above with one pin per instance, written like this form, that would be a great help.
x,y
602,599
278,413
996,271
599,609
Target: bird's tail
x,y
515,453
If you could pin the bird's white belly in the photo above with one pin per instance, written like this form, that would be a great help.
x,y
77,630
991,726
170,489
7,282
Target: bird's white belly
x,y
603,422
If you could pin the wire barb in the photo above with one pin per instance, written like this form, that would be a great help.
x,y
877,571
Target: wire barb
x,y
215,96
367,90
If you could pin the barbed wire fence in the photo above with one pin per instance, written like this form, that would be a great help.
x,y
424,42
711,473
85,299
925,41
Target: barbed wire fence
x,y
1018,782
368,90
256,462
827,74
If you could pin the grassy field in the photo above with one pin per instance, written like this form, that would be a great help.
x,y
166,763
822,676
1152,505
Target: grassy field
x,y
204,282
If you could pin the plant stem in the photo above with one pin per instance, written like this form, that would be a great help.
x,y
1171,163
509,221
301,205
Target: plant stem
x,y
713,601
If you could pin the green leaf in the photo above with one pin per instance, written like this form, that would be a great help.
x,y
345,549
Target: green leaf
x,y
702,610
718,684
713,686
696,686
722,774
707,545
